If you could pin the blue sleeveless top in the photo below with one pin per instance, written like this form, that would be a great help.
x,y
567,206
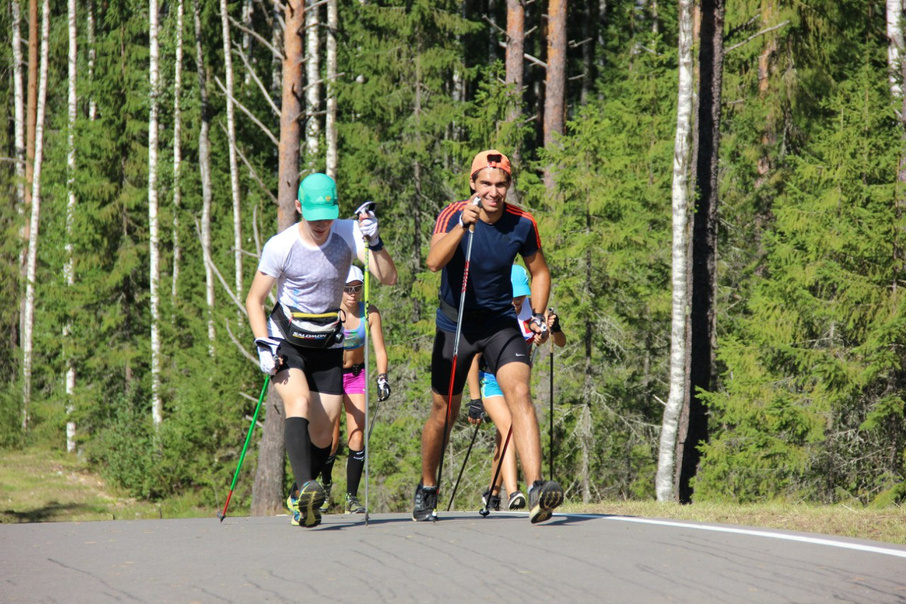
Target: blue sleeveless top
x,y
355,338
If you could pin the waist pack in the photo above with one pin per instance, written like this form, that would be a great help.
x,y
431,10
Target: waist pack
x,y
307,330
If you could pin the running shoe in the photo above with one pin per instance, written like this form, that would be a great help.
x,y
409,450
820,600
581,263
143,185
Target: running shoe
x,y
544,496
516,502
425,507
326,505
305,504
353,506
491,502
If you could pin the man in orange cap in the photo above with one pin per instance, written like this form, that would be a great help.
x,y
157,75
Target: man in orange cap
x,y
486,323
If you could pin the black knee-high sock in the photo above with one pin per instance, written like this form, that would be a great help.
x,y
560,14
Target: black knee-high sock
x,y
298,448
327,470
318,459
354,467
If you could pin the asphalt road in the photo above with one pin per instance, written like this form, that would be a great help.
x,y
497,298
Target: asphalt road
x,y
460,558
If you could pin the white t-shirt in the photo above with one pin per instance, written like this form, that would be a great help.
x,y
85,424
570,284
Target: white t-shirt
x,y
310,278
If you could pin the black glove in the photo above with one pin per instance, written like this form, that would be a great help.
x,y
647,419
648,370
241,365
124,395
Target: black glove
x,y
383,387
476,409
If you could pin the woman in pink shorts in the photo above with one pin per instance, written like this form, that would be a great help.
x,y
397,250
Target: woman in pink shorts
x,y
354,387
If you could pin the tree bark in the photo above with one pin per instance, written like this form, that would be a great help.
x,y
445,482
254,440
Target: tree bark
x,y
231,138
32,257
313,86
267,491
895,46
157,414
204,168
68,276
330,122
19,119
92,53
664,485
693,424
31,112
515,77
555,89
177,150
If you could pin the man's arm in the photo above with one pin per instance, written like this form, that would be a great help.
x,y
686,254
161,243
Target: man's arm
x,y
443,245
254,303
541,281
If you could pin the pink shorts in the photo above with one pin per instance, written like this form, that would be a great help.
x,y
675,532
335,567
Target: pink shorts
x,y
354,383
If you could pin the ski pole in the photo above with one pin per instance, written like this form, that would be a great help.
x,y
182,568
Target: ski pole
x,y
364,208
484,510
462,303
551,450
248,437
458,478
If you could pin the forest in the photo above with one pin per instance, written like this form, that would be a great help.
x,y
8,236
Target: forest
x,y
144,162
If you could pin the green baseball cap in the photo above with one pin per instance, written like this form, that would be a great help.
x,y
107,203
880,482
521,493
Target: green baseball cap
x,y
318,197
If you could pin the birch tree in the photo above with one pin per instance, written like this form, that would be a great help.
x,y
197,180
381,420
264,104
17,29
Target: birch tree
x,y
92,54
204,168
32,257
177,148
693,423
231,138
267,491
313,83
664,485
330,121
157,414
68,276
19,110
895,47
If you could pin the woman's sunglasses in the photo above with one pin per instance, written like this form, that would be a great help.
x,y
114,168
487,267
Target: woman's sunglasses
x,y
352,289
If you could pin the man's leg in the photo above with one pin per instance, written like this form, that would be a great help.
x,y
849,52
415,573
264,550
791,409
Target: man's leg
x,y
514,382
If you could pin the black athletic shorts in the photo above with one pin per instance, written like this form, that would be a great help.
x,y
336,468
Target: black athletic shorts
x,y
499,346
323,368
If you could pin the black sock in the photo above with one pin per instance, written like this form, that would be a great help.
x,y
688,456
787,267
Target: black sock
x,y
298,448
318,459
327,470
354,467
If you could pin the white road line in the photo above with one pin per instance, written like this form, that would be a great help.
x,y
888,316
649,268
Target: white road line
x,y
741,531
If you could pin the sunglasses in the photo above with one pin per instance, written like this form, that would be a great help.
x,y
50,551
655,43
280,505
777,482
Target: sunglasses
x,y
352,289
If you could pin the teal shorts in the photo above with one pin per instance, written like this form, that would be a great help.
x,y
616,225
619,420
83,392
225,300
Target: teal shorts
x,y
488,385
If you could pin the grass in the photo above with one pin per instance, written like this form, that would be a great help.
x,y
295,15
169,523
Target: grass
x,y
43,486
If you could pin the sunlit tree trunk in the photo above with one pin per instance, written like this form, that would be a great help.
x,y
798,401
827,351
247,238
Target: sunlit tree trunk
x,y
157,414
177,150
19,126
68,276
515,49
555,89
92,53
313,83
31,112
231,138
897,73
204,168
267,491
330,122
664,485
895,46
693,422
32,257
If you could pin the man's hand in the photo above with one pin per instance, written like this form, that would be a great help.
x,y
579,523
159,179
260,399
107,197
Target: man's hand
x,y
538,324
470,214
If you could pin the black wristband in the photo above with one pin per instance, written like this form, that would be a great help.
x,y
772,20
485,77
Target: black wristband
x,y
555,327
376,247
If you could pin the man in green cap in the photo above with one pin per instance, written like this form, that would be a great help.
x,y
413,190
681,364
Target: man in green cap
x,y
300,343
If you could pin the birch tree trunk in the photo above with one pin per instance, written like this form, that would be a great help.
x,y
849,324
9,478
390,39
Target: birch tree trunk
x,y
32,257
157,414
313,85
267,491
693,423
330,122
204,168
664,486
555,89
68,276
92,53
895,46
31,112
19,119
231,137
177,149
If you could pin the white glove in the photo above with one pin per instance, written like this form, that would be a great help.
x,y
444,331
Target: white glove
x,y
369,227
383,387
267,354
